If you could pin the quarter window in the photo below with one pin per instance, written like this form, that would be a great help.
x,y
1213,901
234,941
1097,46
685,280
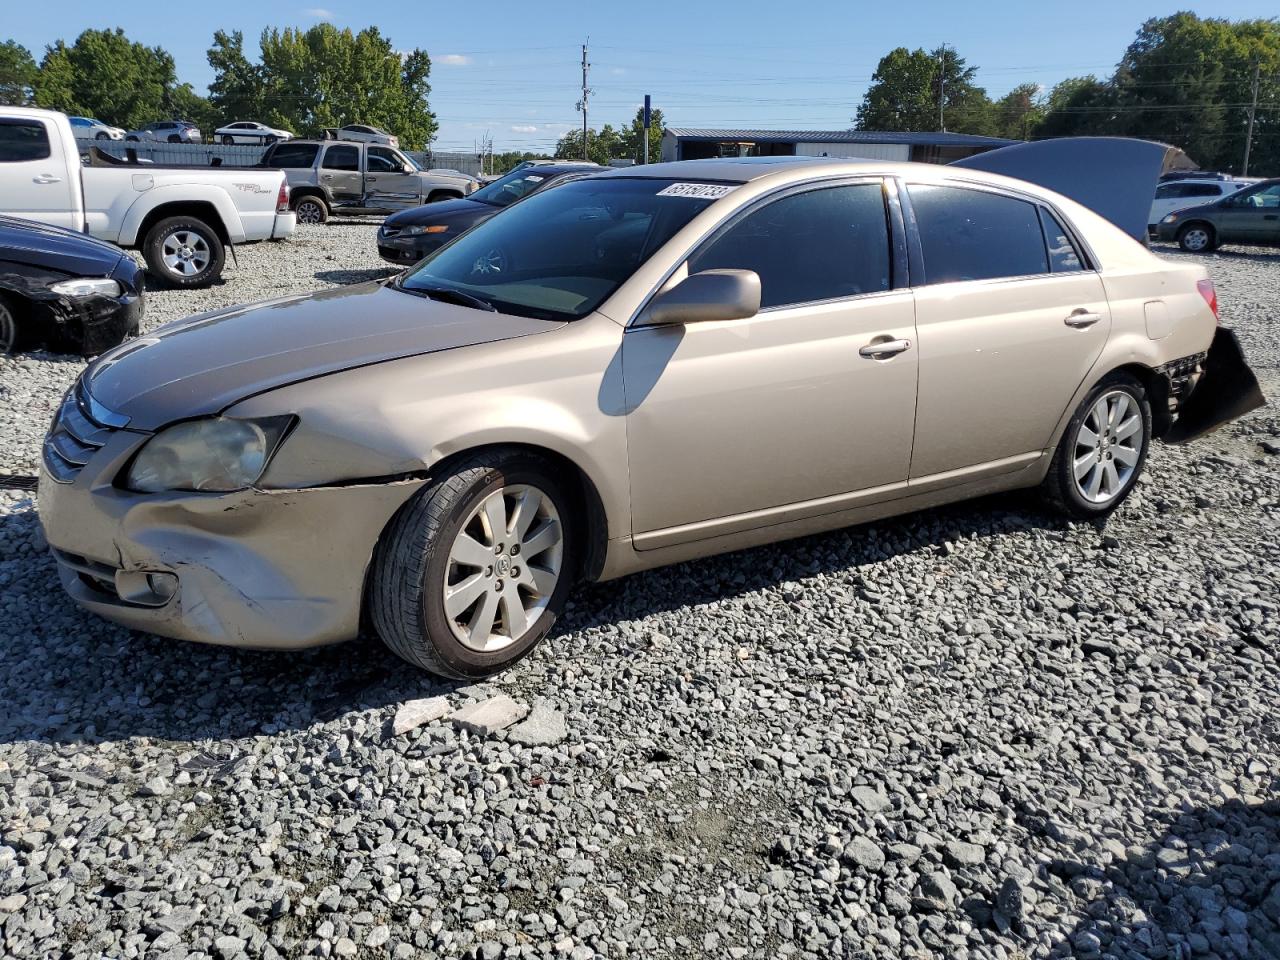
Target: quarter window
x,y
294,156
974,235
818,245
1063,256
342,158
22,141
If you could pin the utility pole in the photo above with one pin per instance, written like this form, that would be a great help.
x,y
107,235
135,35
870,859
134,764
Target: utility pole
x,y
1253,108
586,95
648,119
942,86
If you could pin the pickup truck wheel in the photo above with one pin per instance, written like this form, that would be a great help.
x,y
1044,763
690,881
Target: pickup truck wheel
x,y
472,572
184,252
311,209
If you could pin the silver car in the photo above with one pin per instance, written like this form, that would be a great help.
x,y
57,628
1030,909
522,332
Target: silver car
x,y
167,131
642,367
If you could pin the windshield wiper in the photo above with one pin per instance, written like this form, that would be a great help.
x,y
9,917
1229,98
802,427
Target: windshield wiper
x,y
450,295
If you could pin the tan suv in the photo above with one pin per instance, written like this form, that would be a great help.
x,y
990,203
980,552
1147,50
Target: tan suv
x,y
641,367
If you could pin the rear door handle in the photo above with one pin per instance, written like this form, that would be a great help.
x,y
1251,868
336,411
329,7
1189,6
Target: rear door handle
x,y
884,349
46,178
1081,319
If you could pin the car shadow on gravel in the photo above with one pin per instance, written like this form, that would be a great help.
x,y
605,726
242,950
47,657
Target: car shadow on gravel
x,y
68,677
728,575
356,276
1209,885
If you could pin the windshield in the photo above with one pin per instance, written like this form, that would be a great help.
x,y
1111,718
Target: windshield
x,y
561,253
507,190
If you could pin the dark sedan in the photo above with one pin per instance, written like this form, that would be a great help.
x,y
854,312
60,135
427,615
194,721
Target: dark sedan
x,y
65,290
1250,217
408,236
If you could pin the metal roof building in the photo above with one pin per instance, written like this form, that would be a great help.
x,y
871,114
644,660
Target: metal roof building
x,y
690,143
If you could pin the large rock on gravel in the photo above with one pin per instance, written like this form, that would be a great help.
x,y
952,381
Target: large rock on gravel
x,y
414,713
935,893
487,717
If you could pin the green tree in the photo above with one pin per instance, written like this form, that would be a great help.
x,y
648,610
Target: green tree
x,y
633,136
17,73
1017,114
105,75
603,145
1077,107
324,77
904,94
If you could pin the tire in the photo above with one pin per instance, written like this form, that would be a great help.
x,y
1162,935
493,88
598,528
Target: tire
x,y
1094,471
174,138
228,140
12,336
132,140
438,195
310,209
200,264
101,135
1197,238
417,561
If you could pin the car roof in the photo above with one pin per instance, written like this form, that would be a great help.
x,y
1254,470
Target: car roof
x,y
554,169
738,169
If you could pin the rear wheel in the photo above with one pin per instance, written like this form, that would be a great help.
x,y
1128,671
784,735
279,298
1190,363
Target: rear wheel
x,y
1197,238
1102,451
184,252
9,338
472,573
311,209
228,140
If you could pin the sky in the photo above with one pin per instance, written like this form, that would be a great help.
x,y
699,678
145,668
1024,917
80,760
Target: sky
x,y
512,70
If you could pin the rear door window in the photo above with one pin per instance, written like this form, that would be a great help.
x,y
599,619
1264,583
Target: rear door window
x,y
342,158
822,244
294,156
22,141
968,234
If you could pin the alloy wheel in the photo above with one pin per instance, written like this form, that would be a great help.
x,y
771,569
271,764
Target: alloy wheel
x,y
1196,239
1107,447
186,253
308,211
503,568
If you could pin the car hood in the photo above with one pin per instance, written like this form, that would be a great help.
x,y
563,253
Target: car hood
x,y
204,364
442,211
24,241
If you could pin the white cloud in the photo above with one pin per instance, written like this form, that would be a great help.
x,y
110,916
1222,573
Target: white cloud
x,y
618,71
524,128
453,60
320,13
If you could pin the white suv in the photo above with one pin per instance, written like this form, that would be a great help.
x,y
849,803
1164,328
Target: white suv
x,y
1189,192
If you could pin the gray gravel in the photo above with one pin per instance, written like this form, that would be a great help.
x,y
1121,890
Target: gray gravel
x,y
974,732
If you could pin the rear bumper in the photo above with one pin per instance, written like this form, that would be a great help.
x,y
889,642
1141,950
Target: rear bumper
x,y
1226,390
284,226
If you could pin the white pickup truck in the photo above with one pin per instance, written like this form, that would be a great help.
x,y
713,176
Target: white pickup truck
x,y
182,218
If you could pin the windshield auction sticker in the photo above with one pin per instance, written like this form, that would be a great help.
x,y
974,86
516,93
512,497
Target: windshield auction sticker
x,y
699,191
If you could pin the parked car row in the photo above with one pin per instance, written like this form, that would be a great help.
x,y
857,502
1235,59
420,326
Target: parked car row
x,y
61,286
240,132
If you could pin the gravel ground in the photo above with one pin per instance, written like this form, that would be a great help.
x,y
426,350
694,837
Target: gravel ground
x,y
973,732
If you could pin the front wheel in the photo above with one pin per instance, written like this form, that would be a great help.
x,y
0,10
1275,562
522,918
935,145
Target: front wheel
x,y
184,252
1196,238
228,140
1102,452
102,135
474,570
10,340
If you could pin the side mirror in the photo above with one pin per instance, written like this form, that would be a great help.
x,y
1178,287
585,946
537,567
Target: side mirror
x,y
709,295
407,168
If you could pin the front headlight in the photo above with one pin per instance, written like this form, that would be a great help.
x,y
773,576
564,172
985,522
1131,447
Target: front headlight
x,y
216,455
1171,218
88,287
419,231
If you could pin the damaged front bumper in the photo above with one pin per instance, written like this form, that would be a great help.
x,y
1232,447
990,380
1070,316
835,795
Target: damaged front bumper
x,y
271,569
1224,389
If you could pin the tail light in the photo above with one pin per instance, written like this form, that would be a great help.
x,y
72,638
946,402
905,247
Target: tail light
x,y
282,198
1210,296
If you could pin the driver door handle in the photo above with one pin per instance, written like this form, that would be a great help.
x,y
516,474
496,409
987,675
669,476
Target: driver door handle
x,y
884,349
1080,319
46,178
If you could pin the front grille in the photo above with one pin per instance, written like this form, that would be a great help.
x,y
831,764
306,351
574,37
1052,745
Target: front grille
x,y
74,437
